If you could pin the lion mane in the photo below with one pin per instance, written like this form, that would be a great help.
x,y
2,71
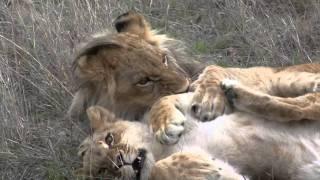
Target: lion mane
x,y
127,71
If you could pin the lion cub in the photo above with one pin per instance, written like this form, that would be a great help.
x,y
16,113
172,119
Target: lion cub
x,y
219,149
127,150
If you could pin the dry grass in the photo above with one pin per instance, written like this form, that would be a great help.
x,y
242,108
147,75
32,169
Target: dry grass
x,y
38,38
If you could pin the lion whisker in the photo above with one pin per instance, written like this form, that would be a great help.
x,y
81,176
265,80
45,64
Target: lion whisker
x,y
121,160
113,162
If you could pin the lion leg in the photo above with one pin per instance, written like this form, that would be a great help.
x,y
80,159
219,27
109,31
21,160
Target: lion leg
x,y
193,166
292,84
272,107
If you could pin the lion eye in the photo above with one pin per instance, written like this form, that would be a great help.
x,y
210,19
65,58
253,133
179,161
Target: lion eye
x,y
109,139
165,60
144,82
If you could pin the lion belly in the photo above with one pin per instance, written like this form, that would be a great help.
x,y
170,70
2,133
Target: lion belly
x,y
255,146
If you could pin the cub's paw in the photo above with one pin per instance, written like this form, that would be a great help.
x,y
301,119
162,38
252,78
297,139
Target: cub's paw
x,y
171,132
229,88
224,171
167,120
191,166
209,102
228,84
307,82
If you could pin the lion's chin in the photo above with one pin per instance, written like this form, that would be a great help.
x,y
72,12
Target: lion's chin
x,y
184,88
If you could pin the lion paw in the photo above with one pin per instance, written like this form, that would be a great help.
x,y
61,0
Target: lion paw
x,y
167,118
209,102
173,129
188,165
306,83
228,86
224,171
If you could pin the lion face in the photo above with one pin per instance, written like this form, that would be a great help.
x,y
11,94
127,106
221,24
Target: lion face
x,y
118,161
126,72
108,153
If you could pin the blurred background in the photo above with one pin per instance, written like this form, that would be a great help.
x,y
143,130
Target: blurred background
x,y
38,38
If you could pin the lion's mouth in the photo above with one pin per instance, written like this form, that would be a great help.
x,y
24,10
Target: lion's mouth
x,y
137,163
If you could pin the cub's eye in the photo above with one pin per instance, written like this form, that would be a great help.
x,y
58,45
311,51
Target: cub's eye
x,y
144,82
109,139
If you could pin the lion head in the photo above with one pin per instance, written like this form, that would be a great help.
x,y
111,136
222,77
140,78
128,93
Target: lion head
x,y
127,71
116,149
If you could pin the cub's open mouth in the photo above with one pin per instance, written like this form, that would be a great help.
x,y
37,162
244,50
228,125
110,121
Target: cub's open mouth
x,y
138,163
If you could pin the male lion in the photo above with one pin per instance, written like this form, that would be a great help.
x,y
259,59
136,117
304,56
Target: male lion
x,y
128,71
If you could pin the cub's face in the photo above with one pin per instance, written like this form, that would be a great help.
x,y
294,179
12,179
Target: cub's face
x,y
106,159
109,153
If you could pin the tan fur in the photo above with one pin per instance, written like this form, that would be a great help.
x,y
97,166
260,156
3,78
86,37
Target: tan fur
x,y
135,23
109,67
284,95
304,107
276,83
128,71
253,145
101,160
104,61
215,150
192,166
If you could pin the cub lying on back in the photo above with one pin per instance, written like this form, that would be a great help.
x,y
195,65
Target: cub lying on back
x,y
252,146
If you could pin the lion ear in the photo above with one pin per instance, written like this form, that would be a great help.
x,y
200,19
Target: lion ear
x,y
99,117
85,68
92,60
132,22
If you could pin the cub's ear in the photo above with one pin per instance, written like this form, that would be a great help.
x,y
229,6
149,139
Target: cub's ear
x,y
99,117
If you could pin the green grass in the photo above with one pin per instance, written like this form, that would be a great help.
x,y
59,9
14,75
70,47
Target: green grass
x,y
201,47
